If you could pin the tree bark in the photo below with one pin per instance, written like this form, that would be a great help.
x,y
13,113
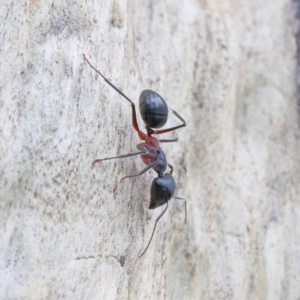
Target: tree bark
x,y
70,230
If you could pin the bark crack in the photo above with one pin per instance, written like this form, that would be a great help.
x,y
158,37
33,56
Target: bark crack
x,y
88,257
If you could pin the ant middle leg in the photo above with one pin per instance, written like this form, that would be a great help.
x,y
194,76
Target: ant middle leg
x,y
168,140
121,156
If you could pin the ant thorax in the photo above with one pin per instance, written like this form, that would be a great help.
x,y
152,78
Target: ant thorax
x,y
154,154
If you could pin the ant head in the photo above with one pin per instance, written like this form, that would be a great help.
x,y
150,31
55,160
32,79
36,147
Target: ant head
x,y
153,109
162,190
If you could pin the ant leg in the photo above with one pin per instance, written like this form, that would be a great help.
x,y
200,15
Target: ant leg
x,y
153,164
154,229
134,121
142,147
172,128
121,156
179,198
168,140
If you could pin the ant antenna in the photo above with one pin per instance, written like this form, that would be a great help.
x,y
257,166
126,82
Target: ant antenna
x,y
154,229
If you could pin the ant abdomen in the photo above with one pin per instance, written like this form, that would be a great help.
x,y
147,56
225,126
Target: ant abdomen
x,y
153,109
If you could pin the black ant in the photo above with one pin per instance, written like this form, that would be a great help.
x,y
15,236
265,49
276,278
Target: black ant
x,y
154,112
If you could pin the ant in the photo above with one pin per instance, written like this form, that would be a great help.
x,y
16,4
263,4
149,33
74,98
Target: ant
x,y
154,112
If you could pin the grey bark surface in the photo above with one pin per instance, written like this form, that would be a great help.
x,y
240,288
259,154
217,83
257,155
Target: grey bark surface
x,y
73,231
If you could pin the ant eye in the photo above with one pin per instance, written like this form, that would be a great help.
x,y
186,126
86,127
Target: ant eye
x,y
157,151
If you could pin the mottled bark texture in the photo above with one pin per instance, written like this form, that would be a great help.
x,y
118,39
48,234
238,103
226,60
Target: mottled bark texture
x,y
72,231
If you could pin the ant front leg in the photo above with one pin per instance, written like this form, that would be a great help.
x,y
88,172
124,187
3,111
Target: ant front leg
x,y
172,128
171,167
134,120
151,165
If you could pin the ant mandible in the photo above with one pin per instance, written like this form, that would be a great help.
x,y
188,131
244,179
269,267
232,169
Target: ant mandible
x,y
154,112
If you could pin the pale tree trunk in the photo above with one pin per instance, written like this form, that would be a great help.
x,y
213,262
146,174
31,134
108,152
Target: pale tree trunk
x,y
72,231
